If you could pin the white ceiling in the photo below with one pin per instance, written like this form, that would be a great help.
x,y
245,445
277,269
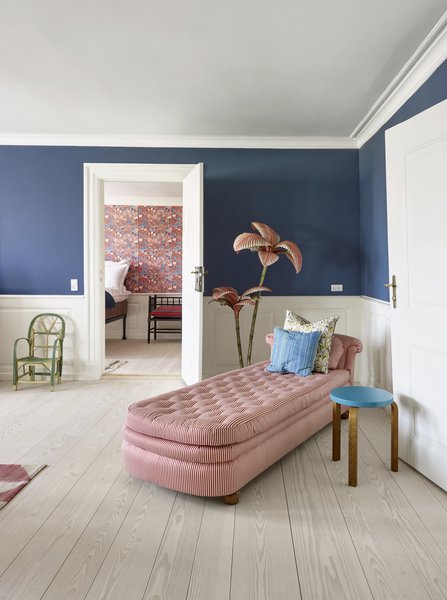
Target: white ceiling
x,y
152,193
197,67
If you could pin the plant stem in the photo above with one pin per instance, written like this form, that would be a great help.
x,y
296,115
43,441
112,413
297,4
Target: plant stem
x,y
238,338
253,318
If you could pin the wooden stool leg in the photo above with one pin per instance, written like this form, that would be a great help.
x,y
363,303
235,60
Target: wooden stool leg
x,y
336,429
394,436
353,446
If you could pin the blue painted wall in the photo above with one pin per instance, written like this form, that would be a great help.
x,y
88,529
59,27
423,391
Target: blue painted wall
x,y
373,218
331,202
310,197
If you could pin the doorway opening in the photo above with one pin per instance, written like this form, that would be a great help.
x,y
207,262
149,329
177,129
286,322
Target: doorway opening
x,y
191,178
143,226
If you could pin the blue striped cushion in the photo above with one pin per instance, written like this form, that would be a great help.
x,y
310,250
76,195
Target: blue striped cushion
x,y
293,351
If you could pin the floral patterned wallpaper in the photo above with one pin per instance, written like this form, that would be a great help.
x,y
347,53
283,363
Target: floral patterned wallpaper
x,y
150,238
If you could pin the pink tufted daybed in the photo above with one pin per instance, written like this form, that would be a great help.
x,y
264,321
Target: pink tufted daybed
x,y
213,437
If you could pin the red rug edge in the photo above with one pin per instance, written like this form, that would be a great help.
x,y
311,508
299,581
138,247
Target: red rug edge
x,y
14,473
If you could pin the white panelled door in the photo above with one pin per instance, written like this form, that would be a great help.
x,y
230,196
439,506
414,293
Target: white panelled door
x,y
416,161
192,299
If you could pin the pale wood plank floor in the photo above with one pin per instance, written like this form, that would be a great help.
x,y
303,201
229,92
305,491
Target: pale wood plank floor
x,y
162,357
84,529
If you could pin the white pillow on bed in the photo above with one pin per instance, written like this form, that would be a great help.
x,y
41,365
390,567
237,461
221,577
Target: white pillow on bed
x,y
115,274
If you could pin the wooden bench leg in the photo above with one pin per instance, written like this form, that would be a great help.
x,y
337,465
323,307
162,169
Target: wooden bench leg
x,y
394,436
232,498
353,446
336,431
124,326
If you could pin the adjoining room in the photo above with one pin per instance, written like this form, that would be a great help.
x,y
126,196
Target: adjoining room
x,y
143,263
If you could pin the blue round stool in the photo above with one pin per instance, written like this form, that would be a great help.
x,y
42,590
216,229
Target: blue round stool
x,y
356,396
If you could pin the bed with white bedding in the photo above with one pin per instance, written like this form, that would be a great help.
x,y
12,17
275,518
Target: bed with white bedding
x,y
116,293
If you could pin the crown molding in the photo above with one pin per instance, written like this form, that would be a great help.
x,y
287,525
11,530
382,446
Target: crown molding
x,y
147,141
431,53
423,63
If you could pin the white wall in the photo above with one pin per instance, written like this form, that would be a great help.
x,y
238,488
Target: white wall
x,y
364,318
219,341
361,317
376,337
16,313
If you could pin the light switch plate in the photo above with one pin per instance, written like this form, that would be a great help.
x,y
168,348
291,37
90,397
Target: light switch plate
x,y
74,285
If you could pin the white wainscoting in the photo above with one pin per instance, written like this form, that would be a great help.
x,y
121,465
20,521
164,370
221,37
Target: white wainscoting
x,y
16,313
137,305
376,338
361,317
220,353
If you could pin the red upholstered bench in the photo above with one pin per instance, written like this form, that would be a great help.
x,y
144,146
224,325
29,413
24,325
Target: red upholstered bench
x,y
213,437
166,309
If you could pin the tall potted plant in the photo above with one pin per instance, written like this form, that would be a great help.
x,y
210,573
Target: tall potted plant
x,y
228,296
267,243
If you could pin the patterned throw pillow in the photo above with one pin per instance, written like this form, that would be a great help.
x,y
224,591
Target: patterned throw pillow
x,y
293,352
326,326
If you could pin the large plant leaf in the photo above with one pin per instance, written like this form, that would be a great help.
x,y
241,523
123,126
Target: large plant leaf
x,y
254,290
267,257
248,241
225,293
222,301
241,303
269,234
245,302
293,253
223,288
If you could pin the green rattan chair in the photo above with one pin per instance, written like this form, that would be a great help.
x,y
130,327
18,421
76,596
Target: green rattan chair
x,y
45,350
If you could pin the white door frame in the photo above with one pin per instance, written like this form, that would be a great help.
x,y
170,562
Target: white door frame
x,y
95,175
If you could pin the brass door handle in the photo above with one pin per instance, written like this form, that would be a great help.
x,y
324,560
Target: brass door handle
x,y
393,285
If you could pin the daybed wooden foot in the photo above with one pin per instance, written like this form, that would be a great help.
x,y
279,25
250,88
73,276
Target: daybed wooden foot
x,y
232,498
345,415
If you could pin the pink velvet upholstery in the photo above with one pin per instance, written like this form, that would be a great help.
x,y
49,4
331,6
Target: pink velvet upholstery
x,y
211,438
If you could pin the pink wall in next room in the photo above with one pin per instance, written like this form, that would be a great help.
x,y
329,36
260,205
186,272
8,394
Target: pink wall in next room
x,y
150,238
